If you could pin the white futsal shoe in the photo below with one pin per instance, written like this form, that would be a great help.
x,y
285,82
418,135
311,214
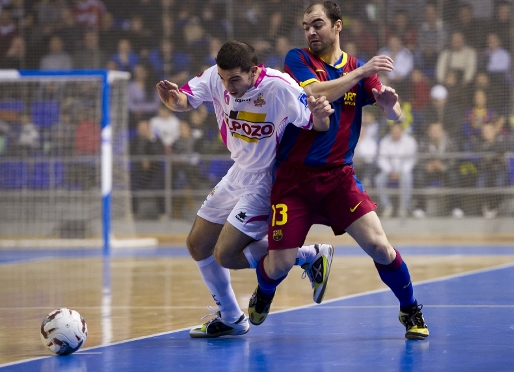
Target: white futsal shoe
x,y
217,327
319,269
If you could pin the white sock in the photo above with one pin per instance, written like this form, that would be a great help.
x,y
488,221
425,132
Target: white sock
x,y
217,279
305,255
255,251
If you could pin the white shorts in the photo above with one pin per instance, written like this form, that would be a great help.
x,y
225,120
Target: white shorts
x,y
241,198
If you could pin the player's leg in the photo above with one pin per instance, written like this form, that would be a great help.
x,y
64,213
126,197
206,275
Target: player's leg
x,y
229,319
271,271
369,234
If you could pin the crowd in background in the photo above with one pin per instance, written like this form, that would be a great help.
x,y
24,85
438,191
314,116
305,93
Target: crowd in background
x,y
452,72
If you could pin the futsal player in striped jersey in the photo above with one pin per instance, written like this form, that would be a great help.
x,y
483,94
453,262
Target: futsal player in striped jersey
x,y
314,179
254,105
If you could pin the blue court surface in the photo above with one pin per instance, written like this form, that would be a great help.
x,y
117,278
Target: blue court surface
x,y
470,317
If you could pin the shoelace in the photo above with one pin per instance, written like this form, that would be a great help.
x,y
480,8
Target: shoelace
x,y
307,273
415,318
213,312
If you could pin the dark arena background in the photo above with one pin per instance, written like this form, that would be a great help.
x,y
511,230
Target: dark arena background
x,y
100,184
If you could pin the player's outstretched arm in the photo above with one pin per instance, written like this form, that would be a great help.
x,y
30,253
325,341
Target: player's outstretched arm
x,y
172,97
321,110
387,101
334,89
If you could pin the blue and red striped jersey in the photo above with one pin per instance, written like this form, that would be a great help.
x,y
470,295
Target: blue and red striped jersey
x,y
336,146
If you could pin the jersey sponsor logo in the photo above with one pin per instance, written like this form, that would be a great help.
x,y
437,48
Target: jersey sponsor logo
x,y
277,235
303,99
243,100
249,126
259,102
350,98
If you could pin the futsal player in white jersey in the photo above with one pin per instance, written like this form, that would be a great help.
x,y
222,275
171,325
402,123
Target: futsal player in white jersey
x,y
253,106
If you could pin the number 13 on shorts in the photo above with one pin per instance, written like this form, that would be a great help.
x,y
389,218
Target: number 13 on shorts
x,y
279,215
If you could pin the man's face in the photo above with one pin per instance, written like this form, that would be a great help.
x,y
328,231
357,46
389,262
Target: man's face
x,y
237,82
319,32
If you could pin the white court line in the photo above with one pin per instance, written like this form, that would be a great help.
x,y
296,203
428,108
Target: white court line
x,y
448,277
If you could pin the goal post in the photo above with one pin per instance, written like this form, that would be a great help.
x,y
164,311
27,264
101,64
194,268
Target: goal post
x,y
48,189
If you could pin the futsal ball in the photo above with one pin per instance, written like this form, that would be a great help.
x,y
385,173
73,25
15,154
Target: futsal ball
x,y
63,331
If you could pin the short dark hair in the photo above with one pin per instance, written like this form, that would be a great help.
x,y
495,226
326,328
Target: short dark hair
x,y
234,54
330,8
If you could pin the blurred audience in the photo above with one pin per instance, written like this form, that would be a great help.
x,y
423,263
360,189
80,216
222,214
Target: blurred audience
x,y
396,160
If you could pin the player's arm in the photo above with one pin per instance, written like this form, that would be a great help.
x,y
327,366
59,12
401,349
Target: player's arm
x,y
387,102
335,89
321,110
172,97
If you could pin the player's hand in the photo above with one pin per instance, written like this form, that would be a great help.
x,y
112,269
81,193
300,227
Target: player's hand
x,y
168,92
386,97
377,64
320,107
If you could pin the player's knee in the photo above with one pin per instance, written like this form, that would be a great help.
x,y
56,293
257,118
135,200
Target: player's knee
x,y
383,253
198,249
223,258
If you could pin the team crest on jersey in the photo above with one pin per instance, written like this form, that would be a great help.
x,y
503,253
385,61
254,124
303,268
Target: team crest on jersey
x,y
277,235
259,102
303,99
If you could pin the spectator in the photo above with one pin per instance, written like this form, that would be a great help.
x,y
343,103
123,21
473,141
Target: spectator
x,y
276,58
15,55
143,99
186,174
109,35
435,168
140,36
496,61
367,148
210,59
168,63
69,31
458,57
432,35
196,41
492,169
403,63
57,58
358,33
8,30
214,21
90,56
396,160
146,174
125,58
87,143
402,27
28,140
166,127
501,23
471,27
476,116
443,109
418,89
89,13
62,136
49,15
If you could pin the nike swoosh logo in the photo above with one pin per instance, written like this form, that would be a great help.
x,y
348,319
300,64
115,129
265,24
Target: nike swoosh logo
x,y
406,285
354,208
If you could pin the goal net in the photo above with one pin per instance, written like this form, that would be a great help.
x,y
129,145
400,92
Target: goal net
x,y
64,180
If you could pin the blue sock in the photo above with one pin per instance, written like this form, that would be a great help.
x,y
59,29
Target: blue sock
x,y
266,284
396,276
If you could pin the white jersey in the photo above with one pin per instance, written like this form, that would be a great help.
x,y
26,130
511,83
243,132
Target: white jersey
x,y
253,125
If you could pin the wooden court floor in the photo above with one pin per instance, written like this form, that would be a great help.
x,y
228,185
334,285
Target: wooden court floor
x,y
137,293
